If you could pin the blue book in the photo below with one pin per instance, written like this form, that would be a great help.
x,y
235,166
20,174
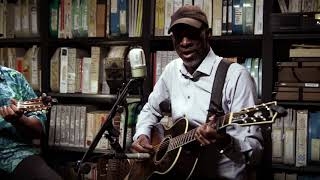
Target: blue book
x,y
114,18
237,17
314,137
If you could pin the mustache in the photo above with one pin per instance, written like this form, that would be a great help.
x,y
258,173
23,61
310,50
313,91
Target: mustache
x,y
186,49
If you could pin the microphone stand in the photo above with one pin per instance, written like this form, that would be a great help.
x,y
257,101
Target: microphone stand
x,y
107,130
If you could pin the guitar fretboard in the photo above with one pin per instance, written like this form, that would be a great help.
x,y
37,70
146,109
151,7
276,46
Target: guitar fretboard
x,y
261,114
189,137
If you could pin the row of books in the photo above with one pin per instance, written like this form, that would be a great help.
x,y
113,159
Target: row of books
x,y
224,16
25,61
77,125
295,6
19,19
296,138
75,71
298,78
95,18
308,52
294,176
160,59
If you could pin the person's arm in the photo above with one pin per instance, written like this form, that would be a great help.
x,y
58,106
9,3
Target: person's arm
x,y
150,115
240,92
29,127
248,139
151,112
31,124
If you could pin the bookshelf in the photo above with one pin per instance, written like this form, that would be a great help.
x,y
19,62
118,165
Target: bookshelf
x,y
281,38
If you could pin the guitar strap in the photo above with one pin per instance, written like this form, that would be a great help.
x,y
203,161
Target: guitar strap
x,y
215,106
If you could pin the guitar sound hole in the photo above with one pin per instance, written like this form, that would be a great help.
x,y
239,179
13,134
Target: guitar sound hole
x,y
162,149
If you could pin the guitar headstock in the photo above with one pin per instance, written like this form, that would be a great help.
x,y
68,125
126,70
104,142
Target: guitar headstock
x,y
261,114
42,103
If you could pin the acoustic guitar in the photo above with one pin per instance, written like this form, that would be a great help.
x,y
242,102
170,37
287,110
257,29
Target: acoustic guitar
x,y
177,153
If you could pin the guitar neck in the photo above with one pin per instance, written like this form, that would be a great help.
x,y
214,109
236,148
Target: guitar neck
x,y
260,114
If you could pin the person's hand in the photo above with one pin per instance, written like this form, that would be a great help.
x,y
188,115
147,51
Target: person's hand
x,y
142,145
207,133
11,113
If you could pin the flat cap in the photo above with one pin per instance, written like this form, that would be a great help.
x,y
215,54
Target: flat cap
x,y
190,15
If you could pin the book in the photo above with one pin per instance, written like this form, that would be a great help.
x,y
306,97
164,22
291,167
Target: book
x,y
25,18
168,11
52,125
238,23
283,6
123,16
101,19
58,131
92,18
86,66
114,18
54,18
63,87
289,137
55,71
301,139
159,18
76,18
277,140
72,126
313,137
61,25
77,128
95,81
258,17
229,16
83,125
34,17
216,17
84,14
248,13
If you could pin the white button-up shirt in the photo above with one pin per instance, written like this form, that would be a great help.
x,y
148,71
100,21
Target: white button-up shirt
x,y
190,99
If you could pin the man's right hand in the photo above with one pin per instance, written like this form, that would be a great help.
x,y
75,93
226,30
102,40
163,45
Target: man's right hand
x,y
142,145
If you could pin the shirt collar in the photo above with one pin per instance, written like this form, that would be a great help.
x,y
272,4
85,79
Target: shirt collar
x,y
205,67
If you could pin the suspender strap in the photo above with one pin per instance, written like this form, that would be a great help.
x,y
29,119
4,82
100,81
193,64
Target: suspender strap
x,y
215,106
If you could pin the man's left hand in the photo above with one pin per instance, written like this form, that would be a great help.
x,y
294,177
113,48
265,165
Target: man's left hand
x,y
11,113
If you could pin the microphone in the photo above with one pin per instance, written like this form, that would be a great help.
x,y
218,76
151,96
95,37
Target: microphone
x,y
137,61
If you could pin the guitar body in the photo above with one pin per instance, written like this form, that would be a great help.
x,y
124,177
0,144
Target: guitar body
x,y
179,162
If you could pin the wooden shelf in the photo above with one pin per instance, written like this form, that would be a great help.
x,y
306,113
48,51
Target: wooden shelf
x,y
225,37
226,46
20,41
299,104
95,41
89,98
75,149
313,169
302,36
